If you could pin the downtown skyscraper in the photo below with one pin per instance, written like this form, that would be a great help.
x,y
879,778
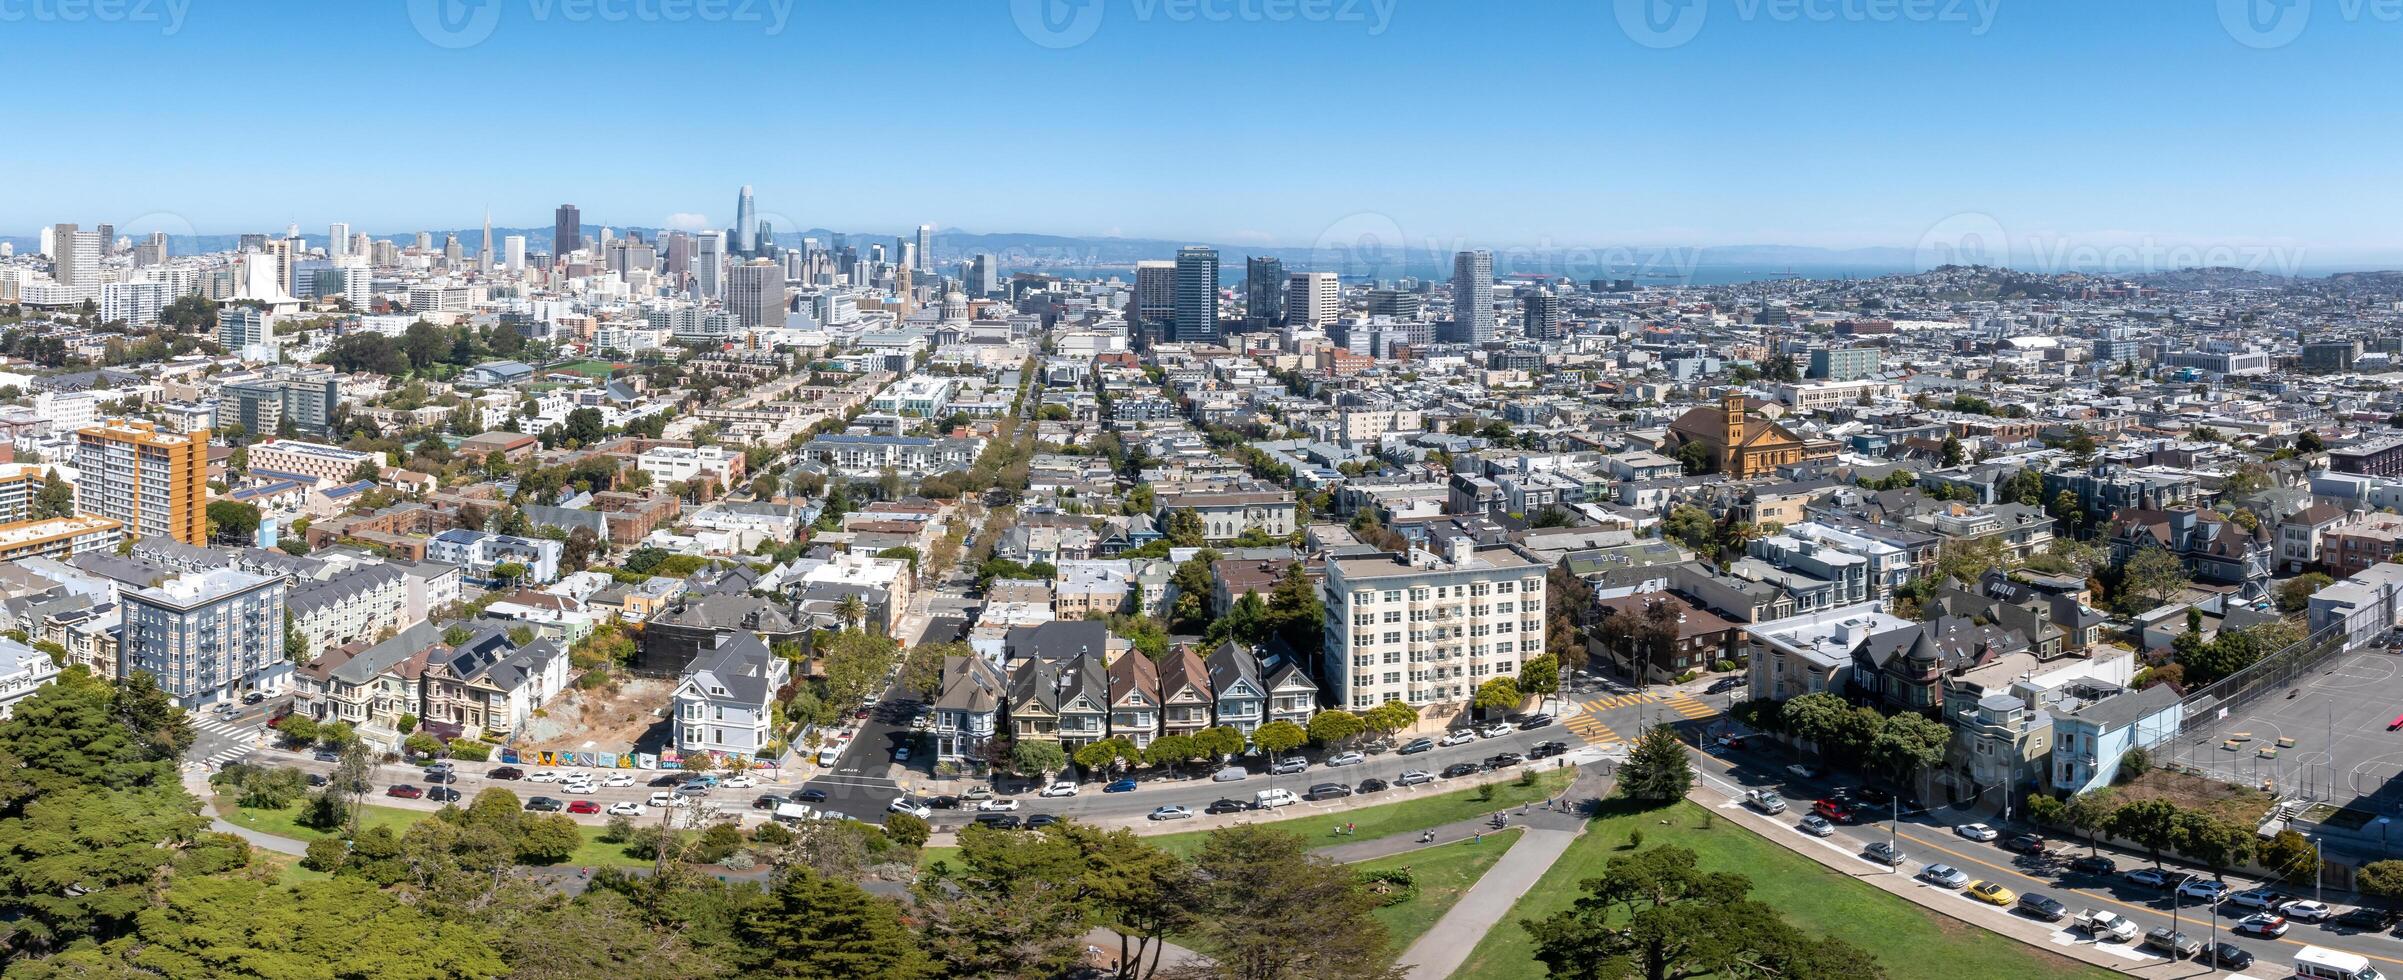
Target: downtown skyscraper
x,y
744,236
1196,317
567,232
1473,296
1263,293
925,266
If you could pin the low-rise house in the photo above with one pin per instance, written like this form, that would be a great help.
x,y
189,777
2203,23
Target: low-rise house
x,y
1186,699
23,670
1292,695
1134,694
369,685
1241,699
722,702
1084,701
967,710
2090,740
1034,701
489,685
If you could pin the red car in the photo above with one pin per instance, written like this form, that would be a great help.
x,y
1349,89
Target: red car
x,y
584,806
405,791
1836,810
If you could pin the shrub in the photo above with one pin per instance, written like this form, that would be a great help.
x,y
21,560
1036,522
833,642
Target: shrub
x,y
1392,886
469,750
1485,792
324,810
325,854
619,830
1635,839
907,830
771,834
718,843
644,843
1726,666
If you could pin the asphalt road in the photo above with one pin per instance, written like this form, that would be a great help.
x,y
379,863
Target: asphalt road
x,y
1927,837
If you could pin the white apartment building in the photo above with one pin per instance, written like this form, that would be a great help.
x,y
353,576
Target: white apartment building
x,y
1312,299
332,464
674,464
1426,629
1820,396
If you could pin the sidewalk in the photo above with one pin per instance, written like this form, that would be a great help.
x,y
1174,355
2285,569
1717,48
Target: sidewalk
x,y
197,783
1443,948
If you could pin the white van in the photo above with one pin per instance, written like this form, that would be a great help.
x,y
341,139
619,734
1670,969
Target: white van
x,y
827,755
2316,963
1269,799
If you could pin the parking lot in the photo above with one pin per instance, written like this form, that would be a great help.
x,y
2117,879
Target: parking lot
x,y
2325,739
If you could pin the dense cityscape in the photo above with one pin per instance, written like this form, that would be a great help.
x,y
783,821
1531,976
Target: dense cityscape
x,y
1200,490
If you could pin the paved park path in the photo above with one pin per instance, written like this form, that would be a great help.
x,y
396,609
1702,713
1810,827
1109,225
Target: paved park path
x,y
1550,831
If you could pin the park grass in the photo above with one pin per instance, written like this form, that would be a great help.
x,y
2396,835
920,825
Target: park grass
x,y
286,823
1443,874
1404,816
1911,943
596,368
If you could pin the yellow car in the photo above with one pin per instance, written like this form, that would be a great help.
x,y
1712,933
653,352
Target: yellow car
x,y
1991,893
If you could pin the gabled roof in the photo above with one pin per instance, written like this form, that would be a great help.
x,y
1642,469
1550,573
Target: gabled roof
x,y
1182,671
1131,674
1231,665
1035,688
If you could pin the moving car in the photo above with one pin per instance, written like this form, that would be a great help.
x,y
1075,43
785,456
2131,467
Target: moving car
x,y
1059,789
901,754
740,780
1534,723
810,795
1943,876
618,779
1120,786
1459,769
2259,898
1766,801
545,804
767,801
547,776
2102,924
1226,806
694,790
1991,893
1977,832
2367,919
2307,911
1723,685
998,821
2204,890
506,772
1416,746
1414,777
1801,771
1346,759
622,808
1171,812
2094,864
996,806
1816,826
662,800
1327,791
1457,736
1503,760
2268,925
911,806
404,791
1041,820
442,794
582,788
1496,730
2171,943
1883,853
1546,750
1835,810
2227,957
584,806
2042,907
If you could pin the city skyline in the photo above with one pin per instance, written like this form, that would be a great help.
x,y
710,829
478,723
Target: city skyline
x,y
1761,128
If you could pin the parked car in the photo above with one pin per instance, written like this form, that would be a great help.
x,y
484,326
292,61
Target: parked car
x,y
2307,911
1226,806
253,697
2366,919
1801,771
1457,736
998,821
1991,893
2204,890
2171,943
1883,853
1327,791
545,804
2151,878
1416,746
1059,789
439,776
619,779
1943,876
1229,774
2102,924
1503,760
665,800
404,791
1414,777
767,801
740,780
2025,844
810,795
1171,812
2042,907
623,808
996,806
442,794
506,772
978,793
1120,786
584,806
1496,730
2263,899
1269,799
1459,769
1765,800
1041,820
1371,785
2268,925
901,754
2094,864
547,776
1816,826
1835,810
1977,832
582,789
444,765
1723,685
1288,766
2228,957
1546,750
691,790
1534,723
911,806
1346,759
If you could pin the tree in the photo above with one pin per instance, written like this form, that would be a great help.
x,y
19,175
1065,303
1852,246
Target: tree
x,y
1657,769
1037,757
242,925
1692,526
2294,595
1170,749
1279,737
1250,881
1951,452
2290,856
1968,559
907,830
1657,915
2149,578
1192,583
548,839
2382,880
1500,694
1540,675
1218,742
1909,744
1184,528
811,926
1102,755
1821,719
1335,726
922,670
2149,824
851,610
1388,718
57,498
233,520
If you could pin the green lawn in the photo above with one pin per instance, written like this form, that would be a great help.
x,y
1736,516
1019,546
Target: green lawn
x,y
1407,816
283,823
1903,936
1443,873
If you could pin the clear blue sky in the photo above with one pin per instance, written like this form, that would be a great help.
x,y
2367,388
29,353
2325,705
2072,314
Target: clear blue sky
x,y
1271,121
